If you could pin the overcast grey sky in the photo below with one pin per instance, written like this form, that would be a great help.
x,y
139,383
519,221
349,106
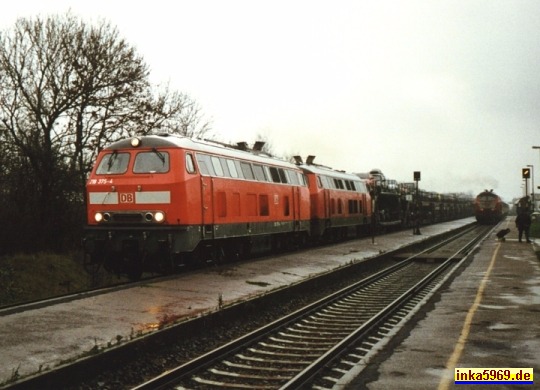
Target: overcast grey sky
x,y
448,88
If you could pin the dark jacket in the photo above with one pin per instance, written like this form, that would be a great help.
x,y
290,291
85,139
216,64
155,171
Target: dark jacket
x,y
523,220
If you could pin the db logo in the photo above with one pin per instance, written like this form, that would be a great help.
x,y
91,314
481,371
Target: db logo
x,y
127,197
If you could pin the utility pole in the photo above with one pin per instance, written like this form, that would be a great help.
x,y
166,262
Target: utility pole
x,y
536,147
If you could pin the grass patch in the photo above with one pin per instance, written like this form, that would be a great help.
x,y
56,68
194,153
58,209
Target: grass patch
x,y
29,277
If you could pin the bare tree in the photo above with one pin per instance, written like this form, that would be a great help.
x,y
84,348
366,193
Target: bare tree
x,y
66,90
171,112
268,143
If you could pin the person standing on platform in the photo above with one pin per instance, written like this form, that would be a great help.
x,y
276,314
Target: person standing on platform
x,y
523,224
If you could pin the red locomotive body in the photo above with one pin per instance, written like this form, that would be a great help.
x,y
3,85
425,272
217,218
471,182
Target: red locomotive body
x,y
157,202
340,202
489,207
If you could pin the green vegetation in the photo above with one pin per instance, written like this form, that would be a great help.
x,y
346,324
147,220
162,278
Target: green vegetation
x,y
28,277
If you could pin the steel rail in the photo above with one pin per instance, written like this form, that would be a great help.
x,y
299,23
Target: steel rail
x,y
188,369
72,296
346,344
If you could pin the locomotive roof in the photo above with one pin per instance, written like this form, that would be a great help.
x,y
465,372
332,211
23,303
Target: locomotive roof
x,y
488,193
322,170
176,141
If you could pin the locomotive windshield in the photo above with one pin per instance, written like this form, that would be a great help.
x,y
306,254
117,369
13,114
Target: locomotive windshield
x,y
113,164
151,162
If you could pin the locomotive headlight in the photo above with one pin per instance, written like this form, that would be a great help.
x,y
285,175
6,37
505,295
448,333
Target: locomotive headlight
x,y
159,216
102,217
136,142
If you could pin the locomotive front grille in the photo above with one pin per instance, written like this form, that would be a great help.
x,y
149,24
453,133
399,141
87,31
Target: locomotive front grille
x,y
127,217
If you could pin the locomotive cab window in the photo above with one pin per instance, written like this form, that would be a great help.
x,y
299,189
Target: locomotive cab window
x,y
151,162
190,164
113,163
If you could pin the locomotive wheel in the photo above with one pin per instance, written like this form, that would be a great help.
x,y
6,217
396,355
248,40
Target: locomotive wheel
x,y
215,254
233,250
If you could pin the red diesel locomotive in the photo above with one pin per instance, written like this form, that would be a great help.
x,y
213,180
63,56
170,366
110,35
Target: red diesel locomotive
x,y
159,202
489,208
340,202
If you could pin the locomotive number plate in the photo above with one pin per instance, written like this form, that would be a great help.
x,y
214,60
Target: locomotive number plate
x,y
127,197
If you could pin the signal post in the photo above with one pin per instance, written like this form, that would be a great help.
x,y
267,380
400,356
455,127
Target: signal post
x,y
416,230
526,174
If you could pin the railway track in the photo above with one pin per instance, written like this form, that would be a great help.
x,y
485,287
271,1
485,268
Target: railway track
x,y
72,296
69,297
323,344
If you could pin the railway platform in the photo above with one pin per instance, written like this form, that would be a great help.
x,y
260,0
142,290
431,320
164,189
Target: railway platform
x,y
504,324
488,317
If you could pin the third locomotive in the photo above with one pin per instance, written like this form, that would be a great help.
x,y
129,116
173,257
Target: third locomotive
x,y
489,208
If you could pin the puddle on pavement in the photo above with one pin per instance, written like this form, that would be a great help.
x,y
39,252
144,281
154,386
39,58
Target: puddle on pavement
x,y
533,298
495,307
501,326
481,354
513,257
440,372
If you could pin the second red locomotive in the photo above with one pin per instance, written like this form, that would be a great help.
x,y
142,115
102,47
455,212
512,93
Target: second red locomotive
x,y
340,202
